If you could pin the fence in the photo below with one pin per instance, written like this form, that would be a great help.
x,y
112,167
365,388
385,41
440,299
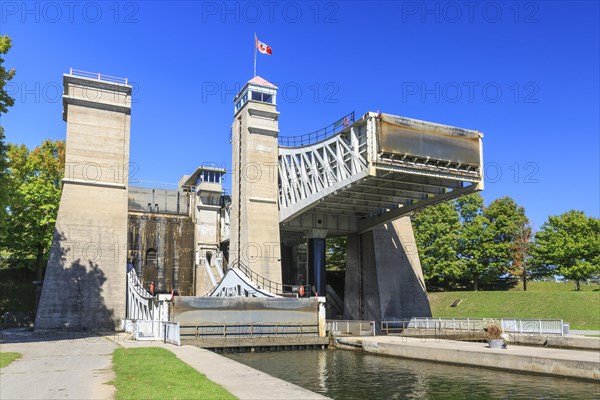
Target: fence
x,y
317,136
272,286
351,327
98,76
247,330
168,332
509,325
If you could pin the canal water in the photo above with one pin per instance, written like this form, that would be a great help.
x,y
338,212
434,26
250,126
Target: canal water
x,y
347,374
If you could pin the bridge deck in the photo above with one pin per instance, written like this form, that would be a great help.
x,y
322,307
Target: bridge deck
x,y
376,170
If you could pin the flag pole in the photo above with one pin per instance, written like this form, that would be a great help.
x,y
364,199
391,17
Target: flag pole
x,y
254,53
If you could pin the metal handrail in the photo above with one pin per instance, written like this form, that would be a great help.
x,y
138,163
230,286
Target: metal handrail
x,y
341,327
269,285
97,76
509,325
136,284
260,329
317,136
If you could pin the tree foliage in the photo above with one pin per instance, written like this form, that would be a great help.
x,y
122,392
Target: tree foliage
x,y
335,255
464,243
5,102
568,245
5,75
520,251
436,233
34,184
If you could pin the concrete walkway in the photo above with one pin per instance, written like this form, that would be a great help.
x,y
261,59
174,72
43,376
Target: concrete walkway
x,y
240,380
59,369
584,332
557,362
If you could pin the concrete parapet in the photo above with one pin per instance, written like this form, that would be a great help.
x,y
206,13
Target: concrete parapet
x,y
556,362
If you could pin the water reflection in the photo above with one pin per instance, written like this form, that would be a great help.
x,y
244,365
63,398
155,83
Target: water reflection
x,y
344,374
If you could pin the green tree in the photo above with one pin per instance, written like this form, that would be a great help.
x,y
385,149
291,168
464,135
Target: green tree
x,y
335,255
504,219
569,245
5,102
474,241
35,194
5,75
436,233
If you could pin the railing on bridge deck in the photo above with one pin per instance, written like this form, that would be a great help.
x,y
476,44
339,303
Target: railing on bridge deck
x,y
473,325
317,136
272,286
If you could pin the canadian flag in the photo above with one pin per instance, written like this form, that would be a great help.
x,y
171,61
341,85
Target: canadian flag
x,y
263,48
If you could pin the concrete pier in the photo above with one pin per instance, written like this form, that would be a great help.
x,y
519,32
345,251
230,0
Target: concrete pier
x,y
84,285
383,274
556,362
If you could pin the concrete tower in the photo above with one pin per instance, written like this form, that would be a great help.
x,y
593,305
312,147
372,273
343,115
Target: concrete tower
x,y
255,242
85,281
205,186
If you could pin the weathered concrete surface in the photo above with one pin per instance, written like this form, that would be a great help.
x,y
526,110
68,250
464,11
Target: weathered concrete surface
x,y
526,339
556,362
572,342
240,380
84,284
160,246
241,312
383,274
254,238
61,369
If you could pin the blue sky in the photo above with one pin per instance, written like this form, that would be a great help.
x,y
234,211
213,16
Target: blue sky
x,y
526,74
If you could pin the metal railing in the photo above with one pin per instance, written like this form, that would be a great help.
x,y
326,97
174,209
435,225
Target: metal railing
x,y
272,286
351,327
317,136
509,325
97,76
212,330
143,329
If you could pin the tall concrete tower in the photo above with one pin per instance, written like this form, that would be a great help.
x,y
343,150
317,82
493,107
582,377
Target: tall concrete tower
x,y
85,281
254,239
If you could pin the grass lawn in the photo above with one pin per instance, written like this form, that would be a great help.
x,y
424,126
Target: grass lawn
x,y
155,373
545,300
6,358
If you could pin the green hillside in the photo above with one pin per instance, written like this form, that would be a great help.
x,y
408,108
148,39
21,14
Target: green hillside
x,y
546,300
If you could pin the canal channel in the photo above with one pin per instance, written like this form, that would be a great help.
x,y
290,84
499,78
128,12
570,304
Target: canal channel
x,y
346,374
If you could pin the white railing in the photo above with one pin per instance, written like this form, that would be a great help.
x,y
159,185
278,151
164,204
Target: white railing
x,y
98,76
141,305
168,332
350,327
509,325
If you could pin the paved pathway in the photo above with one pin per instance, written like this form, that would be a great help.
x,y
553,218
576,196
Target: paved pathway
x,y
59,369
80,368
582,332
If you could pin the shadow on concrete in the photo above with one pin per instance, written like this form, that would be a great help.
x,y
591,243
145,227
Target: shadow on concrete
x,y
72,294
409,286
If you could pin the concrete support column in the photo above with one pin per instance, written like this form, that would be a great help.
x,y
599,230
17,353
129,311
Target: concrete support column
x,y
316,260
384,279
